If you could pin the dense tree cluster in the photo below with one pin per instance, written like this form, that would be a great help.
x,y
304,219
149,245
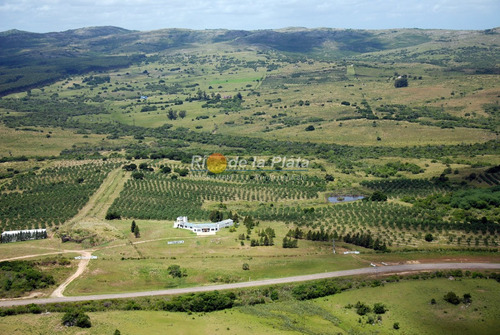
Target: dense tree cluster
x,y
366,240
19,277
24,235
200,302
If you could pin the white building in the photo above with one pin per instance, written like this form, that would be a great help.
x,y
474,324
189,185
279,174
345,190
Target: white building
x,y
23,235
202,228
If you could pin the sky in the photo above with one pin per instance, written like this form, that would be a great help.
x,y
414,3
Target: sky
x,y
60,15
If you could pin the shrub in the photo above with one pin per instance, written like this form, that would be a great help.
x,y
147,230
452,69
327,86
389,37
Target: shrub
x,y
378,196
362,309
246,267
379,308
176,271
429,237
401,82
315,290
395,325
76,318
452,298
112,215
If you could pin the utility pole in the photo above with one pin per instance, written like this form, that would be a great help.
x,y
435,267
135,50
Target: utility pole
x,y
333,242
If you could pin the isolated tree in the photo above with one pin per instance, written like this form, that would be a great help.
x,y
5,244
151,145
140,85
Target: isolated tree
x,y
137,233
452,298
379,308
329,177
362,309
175,271
172,115
310,128
246,267
428,237
132,226
401,82
182,114
76,318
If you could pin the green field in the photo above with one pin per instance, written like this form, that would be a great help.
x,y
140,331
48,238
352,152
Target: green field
x,y
414,313
84,153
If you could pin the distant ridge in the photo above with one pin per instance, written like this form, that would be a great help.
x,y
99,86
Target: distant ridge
x,y
45,57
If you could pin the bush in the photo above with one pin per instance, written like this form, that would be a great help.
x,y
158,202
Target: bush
x,y
310,128
112,216
429,237
362,309
176,271
452,298
201,302
378,196
315,290
18,277
395,325
76,318
401,82
246,267
379,308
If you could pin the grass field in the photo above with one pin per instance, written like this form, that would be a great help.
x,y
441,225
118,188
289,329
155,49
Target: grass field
x,y
43,141
408,304
211,259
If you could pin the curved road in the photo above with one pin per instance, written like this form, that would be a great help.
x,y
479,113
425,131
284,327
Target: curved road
x,y
58,292
363,271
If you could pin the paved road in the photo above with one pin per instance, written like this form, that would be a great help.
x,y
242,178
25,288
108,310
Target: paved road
x,y
363,271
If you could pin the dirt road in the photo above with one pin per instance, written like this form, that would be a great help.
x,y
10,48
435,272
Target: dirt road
x,y
58,292
354,272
